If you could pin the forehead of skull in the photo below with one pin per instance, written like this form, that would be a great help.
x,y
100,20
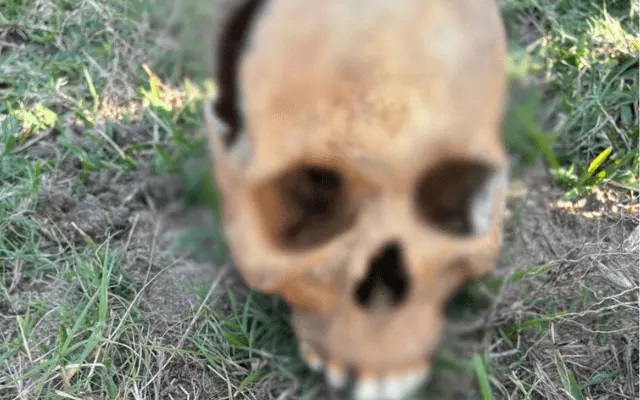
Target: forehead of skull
x,y
378,79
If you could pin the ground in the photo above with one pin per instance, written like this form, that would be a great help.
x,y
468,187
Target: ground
x,y
114,277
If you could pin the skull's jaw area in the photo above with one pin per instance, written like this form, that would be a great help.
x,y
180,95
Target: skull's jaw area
x,y
367,383
369,354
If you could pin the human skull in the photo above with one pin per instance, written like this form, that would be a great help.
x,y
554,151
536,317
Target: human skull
x,y
357,148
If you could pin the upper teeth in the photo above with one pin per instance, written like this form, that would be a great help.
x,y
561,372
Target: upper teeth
x,y
390,387
384,386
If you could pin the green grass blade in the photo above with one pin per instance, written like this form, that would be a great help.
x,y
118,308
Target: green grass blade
x,y
483,378
600,158
568,379
92,90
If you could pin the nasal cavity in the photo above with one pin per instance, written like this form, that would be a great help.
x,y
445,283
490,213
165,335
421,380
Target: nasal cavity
x,y
386,282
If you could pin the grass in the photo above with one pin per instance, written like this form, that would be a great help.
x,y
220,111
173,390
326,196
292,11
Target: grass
x,y
586,52
100,134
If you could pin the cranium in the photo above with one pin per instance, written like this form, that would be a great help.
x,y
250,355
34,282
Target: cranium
x,y
357,148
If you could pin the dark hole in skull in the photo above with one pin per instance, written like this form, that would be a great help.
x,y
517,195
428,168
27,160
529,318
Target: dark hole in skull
x,y
305,207
386,282
443,195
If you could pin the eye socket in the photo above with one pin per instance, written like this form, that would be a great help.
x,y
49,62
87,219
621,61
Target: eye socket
x,y
305,207
444,195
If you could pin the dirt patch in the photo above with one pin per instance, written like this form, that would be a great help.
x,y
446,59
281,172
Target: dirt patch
x,y
142,215
143,219
12,37
583,308
600,203
186,379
